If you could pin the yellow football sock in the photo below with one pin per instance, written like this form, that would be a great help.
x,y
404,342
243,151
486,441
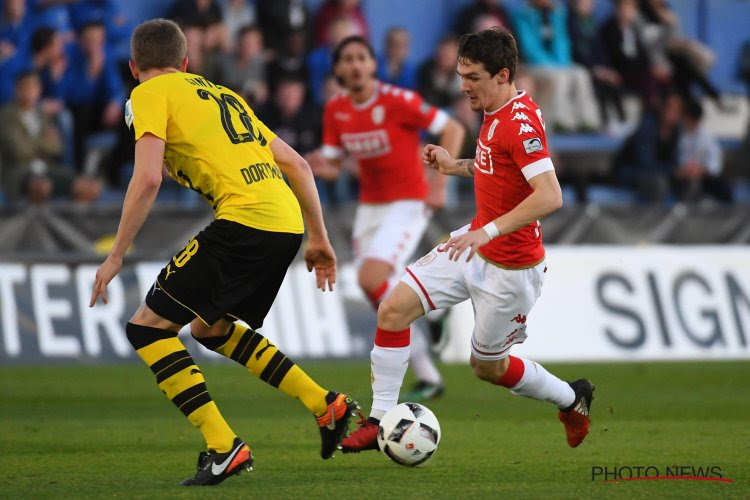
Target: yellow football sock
x,y
182,382
265,361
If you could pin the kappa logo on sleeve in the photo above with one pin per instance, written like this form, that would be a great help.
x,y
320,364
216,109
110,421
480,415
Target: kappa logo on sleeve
x,y
525,128
532,145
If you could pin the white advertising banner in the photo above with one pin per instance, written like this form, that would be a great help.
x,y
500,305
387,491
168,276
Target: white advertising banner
x,y
597,304
632,303
44,314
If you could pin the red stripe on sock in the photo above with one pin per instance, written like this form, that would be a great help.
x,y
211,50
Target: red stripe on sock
x,y
513,374
376,296
426,295
388,338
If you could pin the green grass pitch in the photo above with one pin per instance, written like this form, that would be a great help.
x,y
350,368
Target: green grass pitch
x,y
106,431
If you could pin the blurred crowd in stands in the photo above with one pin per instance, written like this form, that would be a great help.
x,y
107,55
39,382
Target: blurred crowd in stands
x,y
64,79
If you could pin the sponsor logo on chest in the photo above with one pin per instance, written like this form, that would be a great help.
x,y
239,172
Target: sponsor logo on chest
x,y
365,145
483,158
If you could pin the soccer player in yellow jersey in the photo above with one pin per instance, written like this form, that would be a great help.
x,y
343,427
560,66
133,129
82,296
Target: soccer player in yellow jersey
x,y
210,141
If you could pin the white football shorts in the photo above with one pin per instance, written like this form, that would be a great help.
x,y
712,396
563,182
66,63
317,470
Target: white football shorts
x,y
389,231
502,298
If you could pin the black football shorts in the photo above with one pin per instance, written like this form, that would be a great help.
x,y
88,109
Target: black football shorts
x,y
227,271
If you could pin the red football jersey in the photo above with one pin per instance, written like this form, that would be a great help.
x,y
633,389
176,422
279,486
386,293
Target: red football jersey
x,y
382,134
511,149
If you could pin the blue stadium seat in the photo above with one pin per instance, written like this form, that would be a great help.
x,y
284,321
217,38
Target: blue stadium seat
x,y
595,143
609,195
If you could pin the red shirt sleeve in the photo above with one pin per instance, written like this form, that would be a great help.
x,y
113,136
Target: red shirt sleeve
x,y
415,112
525,139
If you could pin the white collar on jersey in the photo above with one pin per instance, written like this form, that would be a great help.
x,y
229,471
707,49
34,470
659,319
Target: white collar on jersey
x,y
520,94
369,101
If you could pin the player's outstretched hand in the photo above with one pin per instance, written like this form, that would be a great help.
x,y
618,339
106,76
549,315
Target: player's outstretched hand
x,y
108,270
471,240
319,255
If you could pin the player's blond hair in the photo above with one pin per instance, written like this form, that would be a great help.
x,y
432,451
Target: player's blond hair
x,y
158,43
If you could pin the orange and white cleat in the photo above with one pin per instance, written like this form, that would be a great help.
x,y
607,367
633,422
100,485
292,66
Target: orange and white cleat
x,y
214,467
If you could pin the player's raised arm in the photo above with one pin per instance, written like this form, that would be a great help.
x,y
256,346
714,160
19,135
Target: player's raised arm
x,y
140,196
319,254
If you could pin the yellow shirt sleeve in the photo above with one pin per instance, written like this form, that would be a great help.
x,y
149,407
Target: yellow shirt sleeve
x,y
149,113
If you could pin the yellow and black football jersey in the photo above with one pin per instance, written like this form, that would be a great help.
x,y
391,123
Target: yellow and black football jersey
x,y
215,145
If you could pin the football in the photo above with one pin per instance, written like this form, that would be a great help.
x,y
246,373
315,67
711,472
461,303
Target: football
x,y
409,434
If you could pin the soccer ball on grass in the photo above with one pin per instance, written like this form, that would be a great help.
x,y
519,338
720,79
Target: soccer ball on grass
x,y
409,434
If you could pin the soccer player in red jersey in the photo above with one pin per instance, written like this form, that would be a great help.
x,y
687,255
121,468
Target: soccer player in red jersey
x,y
379,125
497,261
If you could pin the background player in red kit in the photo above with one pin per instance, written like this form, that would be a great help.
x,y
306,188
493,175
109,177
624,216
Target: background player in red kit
x,y
514,185
379,125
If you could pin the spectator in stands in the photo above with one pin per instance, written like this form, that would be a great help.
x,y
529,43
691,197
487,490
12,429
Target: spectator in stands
x,y
469,17
53,14
687,60
583,30
203,14
292,116
565,92
394,66
332,10
289,61
438,82
244,71
699,160
195,37
319,63
649,158
94,90
30,148
236,14
281,18
47,57
15,28
624,53
108,13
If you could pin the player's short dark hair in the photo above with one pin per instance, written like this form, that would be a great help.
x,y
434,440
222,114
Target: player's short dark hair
x,y
495,48
41,39
336,55
158,43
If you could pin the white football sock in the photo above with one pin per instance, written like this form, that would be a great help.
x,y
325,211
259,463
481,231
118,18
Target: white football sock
x,y
388,366
538,383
